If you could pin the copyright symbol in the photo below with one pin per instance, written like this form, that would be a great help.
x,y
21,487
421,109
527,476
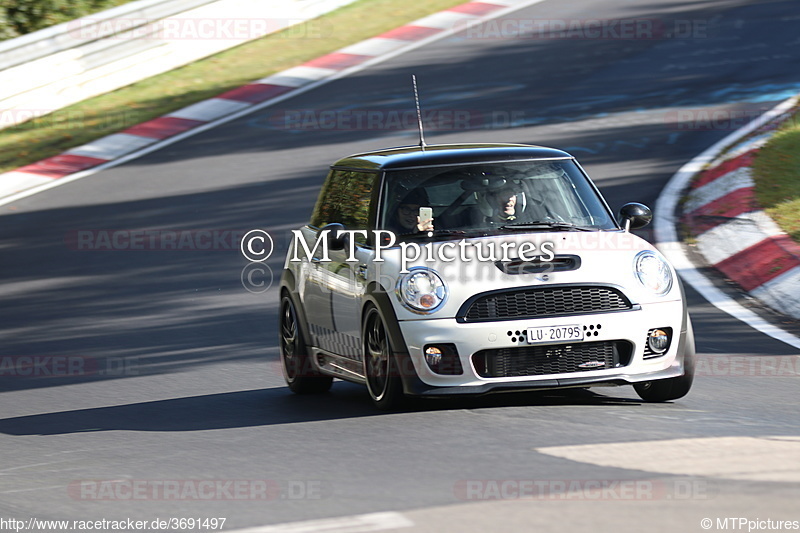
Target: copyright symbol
x,y
256,245
706,523
256,278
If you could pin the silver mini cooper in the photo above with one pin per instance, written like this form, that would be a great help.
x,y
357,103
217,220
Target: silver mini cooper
x,y
467,269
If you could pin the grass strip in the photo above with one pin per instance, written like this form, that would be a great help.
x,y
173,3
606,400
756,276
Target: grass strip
x,y
110,113
776,171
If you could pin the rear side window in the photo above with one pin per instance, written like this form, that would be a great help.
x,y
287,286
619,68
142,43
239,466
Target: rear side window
x,y
345,199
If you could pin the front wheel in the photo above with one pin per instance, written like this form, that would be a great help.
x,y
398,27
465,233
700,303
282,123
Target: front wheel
x,y
380,367
297,370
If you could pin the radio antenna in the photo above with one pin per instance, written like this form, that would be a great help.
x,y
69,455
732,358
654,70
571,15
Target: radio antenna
x,y
419,113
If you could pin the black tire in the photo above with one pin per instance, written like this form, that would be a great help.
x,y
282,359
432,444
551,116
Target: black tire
x,y
664,390
380,367
298,371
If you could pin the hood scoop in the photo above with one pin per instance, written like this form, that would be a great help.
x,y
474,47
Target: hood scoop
x,y
559,263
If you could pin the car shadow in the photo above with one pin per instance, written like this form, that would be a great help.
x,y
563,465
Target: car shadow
x,y
268,407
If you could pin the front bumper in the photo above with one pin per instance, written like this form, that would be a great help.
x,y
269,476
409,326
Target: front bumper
x,y
471,338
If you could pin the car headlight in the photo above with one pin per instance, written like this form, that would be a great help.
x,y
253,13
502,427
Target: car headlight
x,y
421,290
653,272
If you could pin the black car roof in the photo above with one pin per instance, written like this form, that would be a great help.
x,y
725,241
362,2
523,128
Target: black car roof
x,y
446,154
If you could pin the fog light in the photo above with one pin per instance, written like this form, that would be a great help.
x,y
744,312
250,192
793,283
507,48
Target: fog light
x,y
443,359
658,340
433,356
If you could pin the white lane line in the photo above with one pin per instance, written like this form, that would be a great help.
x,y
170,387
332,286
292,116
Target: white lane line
x,y
413,45
742,458
23,180
347,524
667,237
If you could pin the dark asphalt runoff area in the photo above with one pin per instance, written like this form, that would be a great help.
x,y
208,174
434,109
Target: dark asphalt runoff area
x,y
155,370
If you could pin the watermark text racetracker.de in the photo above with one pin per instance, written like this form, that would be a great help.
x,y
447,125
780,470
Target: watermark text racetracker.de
x,y
67,366
197,28
747,366
199,489
720,119
104,524
296,120
585,29
583,489
93,240
66,119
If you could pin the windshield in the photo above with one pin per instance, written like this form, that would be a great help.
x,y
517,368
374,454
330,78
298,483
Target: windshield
x,y
492,198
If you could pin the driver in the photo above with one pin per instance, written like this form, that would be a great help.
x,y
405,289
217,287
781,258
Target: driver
x,y
503,204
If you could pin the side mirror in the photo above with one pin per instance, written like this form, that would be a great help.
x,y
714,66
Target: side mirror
x,y
634,216
336,240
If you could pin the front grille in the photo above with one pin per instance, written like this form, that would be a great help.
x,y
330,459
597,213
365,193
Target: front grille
x,y
535,302
552,359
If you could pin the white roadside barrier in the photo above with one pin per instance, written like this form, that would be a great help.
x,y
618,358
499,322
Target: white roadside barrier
x,y
53,68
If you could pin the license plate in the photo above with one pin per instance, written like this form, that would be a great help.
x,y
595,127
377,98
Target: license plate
x,y
572,332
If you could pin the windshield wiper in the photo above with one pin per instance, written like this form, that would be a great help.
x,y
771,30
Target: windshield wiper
x,y
544,224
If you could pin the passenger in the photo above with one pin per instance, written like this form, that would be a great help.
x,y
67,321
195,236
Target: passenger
x,y
405,218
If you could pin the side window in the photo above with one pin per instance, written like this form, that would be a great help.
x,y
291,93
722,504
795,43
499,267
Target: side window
x,y
345,198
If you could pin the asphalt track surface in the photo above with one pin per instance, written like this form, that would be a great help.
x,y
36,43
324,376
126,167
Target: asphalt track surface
x,y
177,376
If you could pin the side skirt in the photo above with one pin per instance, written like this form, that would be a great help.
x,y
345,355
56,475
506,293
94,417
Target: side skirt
x,y
338,366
